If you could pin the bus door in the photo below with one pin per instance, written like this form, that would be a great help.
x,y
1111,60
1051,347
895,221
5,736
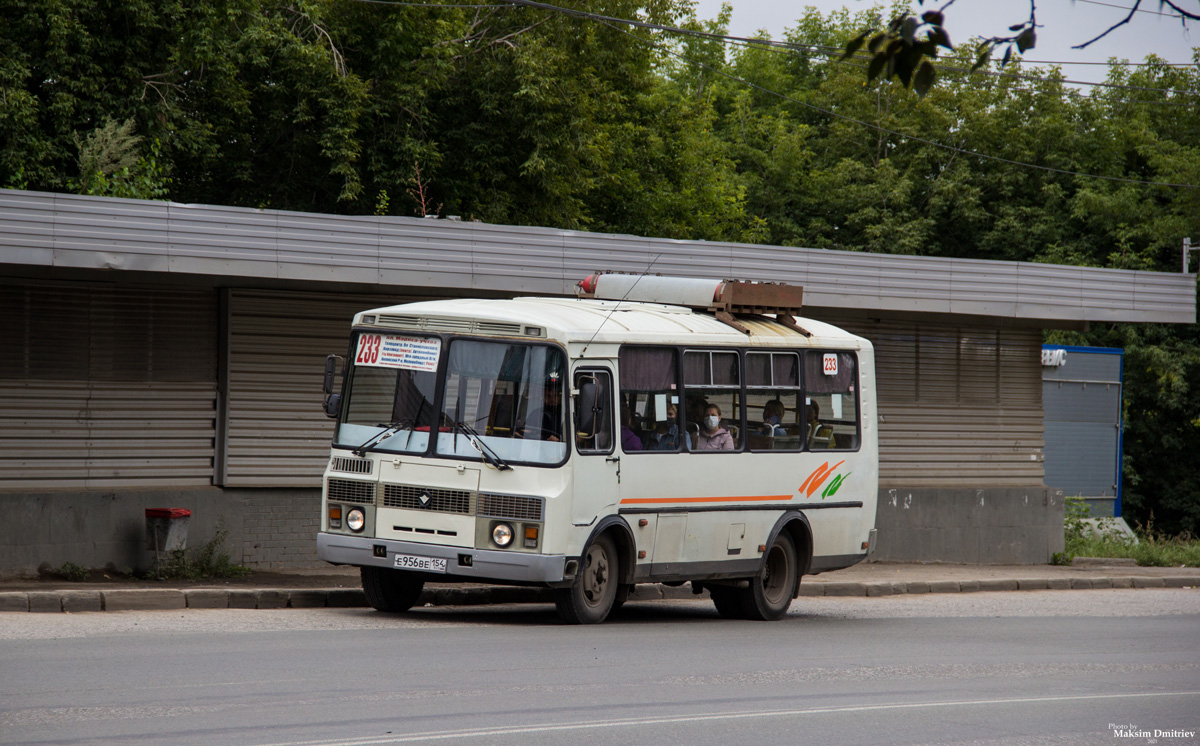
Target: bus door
x,y
596,466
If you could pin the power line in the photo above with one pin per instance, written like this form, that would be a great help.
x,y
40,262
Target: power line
x,y
771,42
758,42
1138,10
1020,76
861,123
431,5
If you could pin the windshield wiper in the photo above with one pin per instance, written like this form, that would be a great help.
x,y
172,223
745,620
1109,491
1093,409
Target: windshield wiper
x,y
388,431
484,449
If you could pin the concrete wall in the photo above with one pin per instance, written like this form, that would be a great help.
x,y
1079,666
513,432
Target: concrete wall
x,y
279,528
267,528
276,528
999,525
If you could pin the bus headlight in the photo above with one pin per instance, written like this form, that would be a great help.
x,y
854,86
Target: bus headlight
x,y
355,520
502,534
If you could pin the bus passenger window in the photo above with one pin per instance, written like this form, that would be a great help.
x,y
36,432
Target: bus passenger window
x,y
773,398
831,404
649,390
593,411
712,391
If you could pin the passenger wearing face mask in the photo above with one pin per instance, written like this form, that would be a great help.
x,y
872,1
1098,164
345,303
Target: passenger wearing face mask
x,y
713,437
666,435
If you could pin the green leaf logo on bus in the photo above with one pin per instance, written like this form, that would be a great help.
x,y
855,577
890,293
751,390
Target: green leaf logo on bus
x,y
818,477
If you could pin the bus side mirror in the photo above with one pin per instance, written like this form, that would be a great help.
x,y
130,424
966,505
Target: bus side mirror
x,y
333,401
589,408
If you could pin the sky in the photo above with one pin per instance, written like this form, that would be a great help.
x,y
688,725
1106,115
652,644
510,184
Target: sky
x,y
1064,23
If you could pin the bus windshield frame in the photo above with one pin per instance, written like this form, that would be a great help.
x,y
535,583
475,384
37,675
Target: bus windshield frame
x,y
490,399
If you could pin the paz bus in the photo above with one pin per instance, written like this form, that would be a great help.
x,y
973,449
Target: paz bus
x,y
651,430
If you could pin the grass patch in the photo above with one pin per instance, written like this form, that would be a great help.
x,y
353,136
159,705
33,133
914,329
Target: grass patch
x,y
67,571
207,562
1103,539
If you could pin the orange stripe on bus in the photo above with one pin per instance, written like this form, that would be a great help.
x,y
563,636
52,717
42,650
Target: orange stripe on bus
x,y
740,498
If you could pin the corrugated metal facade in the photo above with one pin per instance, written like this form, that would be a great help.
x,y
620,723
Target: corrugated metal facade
x,y
72,231
277,434
960,405
104,386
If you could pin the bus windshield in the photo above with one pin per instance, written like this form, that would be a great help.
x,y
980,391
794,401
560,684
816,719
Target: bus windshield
x,y
500,401
509,396
389,403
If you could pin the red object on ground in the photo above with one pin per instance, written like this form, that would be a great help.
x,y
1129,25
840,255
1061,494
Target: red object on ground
x,y
168,512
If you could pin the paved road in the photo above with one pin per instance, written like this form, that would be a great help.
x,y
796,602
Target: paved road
x,y
1040,668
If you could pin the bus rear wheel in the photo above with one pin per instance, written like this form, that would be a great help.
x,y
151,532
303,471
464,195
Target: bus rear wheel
x,y
770,592
390,590
591,598
727,601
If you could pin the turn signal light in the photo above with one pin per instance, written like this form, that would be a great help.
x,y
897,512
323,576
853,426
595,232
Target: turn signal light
x,y
531,537
335,516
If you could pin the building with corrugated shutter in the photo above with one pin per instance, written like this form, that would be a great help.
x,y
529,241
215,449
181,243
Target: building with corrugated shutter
x,y
156,354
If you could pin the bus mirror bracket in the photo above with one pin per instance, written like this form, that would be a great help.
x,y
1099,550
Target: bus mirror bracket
x,y
333,401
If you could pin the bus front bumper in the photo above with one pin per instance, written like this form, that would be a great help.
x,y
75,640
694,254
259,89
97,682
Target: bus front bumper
x,y
484,564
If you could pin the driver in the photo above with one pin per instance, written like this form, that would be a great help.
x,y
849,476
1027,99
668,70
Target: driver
x,y
547,426
552,409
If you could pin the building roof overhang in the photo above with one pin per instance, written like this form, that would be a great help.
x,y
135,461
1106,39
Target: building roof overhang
x,y
73,232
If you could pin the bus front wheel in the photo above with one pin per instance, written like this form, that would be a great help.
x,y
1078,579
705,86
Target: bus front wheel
x,y
591,598
770,592
390,590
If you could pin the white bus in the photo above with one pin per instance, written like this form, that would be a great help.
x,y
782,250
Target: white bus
x,y
653,430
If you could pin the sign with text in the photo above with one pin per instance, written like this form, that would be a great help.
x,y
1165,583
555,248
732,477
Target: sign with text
x,y
830,361
395,351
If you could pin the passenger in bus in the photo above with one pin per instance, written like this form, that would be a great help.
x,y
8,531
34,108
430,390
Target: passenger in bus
x,y
772,419
629,439
544,422
666,436
713,437
820,435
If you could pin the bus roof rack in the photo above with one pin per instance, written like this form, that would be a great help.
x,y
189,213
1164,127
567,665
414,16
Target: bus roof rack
x,y
722,298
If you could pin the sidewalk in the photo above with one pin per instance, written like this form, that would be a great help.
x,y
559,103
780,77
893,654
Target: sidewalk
x,y
339,587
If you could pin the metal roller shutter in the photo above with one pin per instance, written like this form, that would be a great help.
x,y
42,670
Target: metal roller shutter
x,y
961,406
277,434
106,386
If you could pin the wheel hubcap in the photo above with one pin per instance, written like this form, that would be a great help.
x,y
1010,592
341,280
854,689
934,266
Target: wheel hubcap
x,y
775,573
596,576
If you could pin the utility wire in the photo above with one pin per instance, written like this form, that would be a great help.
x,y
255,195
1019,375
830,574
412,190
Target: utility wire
x,y
876,127
431,5
773,43
1019,76
1139,10
786,45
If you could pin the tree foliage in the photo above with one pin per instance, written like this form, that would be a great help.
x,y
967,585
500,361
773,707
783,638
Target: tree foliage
x,y
517,115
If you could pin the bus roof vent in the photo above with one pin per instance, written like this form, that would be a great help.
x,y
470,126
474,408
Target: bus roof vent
x,y
723,298
450,324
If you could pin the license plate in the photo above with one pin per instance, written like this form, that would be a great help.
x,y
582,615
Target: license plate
x,y
425,564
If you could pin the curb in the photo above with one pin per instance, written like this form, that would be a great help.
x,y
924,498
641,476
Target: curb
x,y
138,599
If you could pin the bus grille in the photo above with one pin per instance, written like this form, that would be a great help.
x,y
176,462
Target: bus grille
x,y
511,506
440,500
352,491
351,465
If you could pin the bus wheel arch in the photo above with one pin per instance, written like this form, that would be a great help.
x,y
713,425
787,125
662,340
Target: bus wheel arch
x,y
800,531
787,557
622,537
592,596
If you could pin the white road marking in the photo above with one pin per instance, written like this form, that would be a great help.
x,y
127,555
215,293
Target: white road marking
x,y
666,720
